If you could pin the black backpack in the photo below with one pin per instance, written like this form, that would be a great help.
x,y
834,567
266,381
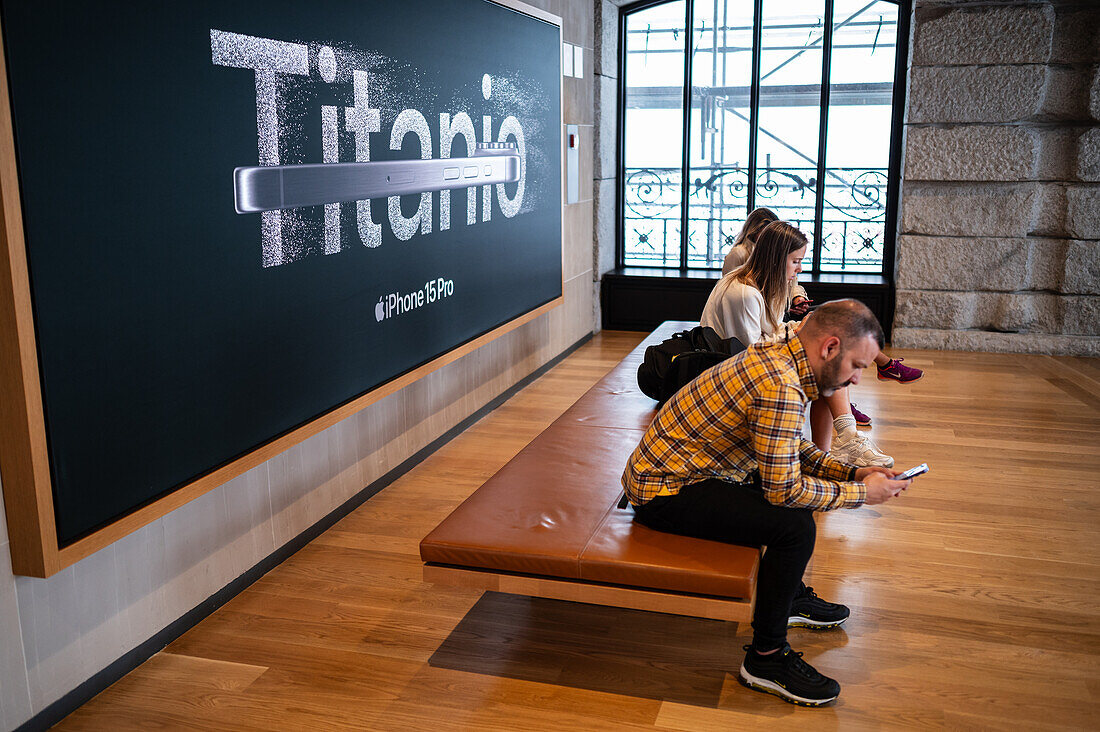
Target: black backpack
x,y
671,364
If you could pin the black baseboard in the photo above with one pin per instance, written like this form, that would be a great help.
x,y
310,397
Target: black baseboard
x,y
69,703
639,298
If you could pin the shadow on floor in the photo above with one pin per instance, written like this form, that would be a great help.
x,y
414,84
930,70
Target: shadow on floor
x,y
605,649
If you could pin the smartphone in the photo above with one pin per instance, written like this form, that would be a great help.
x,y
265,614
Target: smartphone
x,y
912,472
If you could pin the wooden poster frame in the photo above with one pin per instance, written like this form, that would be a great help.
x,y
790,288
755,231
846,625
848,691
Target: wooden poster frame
x,y
24,456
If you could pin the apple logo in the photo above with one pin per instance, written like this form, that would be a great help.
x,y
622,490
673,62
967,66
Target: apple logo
x,y
379,311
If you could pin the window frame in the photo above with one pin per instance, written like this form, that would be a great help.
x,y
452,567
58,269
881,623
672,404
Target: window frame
x,y
897,117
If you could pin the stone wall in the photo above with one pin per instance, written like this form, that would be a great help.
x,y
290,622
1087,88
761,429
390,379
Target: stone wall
x,y
1000,219
605,156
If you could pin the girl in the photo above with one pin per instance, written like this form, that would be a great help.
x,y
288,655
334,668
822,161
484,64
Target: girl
x,y
749,304
743,245
746,239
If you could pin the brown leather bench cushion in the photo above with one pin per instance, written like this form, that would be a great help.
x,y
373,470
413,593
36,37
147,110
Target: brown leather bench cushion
x,y
538,512
625,553
551,510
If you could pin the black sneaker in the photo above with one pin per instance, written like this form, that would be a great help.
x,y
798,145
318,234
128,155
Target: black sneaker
x,y
810,611
786,675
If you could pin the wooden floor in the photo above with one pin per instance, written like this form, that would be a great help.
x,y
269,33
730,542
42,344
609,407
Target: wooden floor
x,y
975,597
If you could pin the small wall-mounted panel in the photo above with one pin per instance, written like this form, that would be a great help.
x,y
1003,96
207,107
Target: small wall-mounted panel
x,y
572,163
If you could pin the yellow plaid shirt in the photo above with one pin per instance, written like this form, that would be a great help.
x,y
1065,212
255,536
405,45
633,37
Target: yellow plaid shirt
x,y
746,413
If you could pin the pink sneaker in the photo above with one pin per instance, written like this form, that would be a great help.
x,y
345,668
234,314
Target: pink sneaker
x,y
861,419
899,372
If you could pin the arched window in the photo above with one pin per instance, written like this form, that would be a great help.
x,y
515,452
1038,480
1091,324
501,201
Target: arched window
x,y
793,105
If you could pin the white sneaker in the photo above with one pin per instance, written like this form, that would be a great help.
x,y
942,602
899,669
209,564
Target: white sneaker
x,y
856,449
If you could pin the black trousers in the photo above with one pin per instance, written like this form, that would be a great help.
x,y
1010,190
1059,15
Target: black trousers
x,y
738,513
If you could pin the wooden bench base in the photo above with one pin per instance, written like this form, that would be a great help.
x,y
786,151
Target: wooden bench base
x,y
699,606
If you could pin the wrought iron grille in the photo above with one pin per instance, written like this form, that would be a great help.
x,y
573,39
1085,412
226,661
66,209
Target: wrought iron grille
x,y
852,223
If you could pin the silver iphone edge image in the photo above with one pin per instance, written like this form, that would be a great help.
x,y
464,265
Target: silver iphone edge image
x,y
275,187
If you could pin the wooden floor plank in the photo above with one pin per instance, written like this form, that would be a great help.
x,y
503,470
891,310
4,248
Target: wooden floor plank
x,y
974,596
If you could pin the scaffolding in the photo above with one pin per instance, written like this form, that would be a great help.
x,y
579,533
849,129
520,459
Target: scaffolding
x,y
846,218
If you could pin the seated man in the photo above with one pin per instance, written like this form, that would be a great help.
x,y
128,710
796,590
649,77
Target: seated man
x,y
724,459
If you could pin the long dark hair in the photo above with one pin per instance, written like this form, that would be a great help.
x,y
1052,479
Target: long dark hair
x,y
766,268
755,223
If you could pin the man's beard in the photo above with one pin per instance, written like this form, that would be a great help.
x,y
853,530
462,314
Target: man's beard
x,y
830,377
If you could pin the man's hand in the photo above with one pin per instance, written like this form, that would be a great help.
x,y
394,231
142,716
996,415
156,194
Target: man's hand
x,y
862,473
880,487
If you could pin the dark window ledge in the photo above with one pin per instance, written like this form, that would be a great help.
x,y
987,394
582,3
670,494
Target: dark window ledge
x,y
641,298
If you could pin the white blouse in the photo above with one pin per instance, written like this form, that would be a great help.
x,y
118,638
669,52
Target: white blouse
x,y
736,310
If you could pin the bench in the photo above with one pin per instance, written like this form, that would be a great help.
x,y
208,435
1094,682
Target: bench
x,y
547,524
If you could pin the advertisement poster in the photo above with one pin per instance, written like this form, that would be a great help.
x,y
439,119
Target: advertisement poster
x,y
241,215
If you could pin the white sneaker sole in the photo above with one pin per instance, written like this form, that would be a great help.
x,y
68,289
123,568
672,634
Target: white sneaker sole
x,y
797,621
770,687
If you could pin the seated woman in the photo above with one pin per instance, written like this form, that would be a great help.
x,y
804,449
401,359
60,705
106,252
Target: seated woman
x,y
743,245
749,304
746,238
889,369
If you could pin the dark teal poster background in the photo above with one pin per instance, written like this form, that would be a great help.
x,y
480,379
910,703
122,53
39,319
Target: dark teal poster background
x,y
169,343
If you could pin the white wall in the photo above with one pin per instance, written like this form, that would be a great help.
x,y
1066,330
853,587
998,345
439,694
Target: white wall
x,y
58,632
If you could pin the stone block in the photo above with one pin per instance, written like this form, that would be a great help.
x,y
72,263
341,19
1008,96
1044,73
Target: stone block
x,y
1006,312
607,39
933,6
1088,155
1050,212
957,263
607,127
604,251
1081,268
597,308
1083,212
1027,312
1019,312
1058,153
1046,264
984,35
991,209
1065,94
1075,36
975,93
977,340
1082,315
1094,94
984,153
923,309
